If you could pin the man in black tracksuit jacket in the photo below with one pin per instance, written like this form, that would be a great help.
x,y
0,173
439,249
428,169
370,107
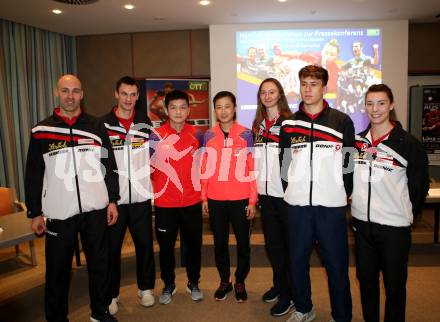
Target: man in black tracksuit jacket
x,y
128,129
71,186
313,165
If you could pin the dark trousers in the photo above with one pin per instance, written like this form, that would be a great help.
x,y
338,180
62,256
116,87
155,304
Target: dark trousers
x,y
168,222
221,213
274,216
137,217
328,227
60,241
382,248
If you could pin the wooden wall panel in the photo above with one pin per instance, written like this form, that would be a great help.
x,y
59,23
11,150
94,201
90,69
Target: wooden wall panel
x,y
101,61
162,54
424,48
200,53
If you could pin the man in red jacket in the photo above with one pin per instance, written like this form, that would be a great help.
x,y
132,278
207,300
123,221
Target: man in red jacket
x,y
176,185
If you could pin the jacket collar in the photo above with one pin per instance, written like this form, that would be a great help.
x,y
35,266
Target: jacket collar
x,y
395,133
113,119
323,112
170,129
232,130
59,120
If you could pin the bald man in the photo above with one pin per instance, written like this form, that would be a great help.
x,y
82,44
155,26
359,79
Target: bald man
x,y
71,187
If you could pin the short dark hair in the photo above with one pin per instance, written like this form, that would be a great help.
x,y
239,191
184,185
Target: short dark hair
x,y
376,88
223,94
128,80
176,95
314,71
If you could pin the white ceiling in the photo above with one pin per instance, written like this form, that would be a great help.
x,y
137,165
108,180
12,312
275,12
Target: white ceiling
x,y
109,16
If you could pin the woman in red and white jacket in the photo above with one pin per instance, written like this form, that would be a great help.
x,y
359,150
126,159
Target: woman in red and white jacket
x,y
272,110
390,183
229,192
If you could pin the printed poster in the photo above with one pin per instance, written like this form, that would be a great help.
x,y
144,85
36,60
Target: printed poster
x,y
431,124
197,90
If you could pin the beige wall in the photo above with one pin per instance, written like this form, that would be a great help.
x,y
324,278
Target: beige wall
x,y
103,59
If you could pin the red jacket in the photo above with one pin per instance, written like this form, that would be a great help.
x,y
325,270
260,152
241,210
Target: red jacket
x,y
175,166
228,165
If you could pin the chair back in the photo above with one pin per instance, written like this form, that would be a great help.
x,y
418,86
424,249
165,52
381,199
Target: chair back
x,y
7,197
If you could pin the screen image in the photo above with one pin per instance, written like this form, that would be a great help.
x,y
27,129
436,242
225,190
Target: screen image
x,y
352,56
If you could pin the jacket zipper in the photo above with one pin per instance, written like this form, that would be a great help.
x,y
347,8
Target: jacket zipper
x,y
129,169
369,192
311,162
76,172
265,149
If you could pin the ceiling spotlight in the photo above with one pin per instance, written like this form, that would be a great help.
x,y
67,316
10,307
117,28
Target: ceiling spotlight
x,y
282,0
129,6
57,11
205,2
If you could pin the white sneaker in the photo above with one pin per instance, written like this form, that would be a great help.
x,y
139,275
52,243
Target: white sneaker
x,y
196,293
113,307
302,317
146,298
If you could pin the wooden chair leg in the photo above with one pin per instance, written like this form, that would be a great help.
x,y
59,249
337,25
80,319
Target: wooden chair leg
x,y
32,250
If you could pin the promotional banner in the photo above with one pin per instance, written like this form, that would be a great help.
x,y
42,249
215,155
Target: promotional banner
x,y
431,124
197,90
352,57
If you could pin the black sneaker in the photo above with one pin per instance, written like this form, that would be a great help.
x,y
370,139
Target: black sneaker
x,y
106,317
240,292
271,295
282,307
222,291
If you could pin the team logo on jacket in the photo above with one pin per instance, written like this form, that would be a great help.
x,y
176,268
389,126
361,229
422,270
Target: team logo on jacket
x,y
57,146
297,139
136,142
116,140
